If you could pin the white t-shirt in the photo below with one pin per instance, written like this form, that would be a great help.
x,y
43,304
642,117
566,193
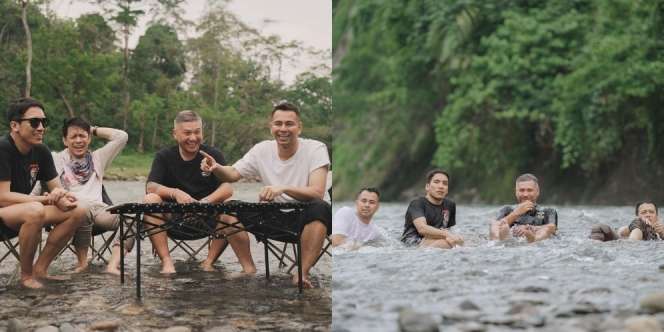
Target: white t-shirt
x,y
263,162
346,222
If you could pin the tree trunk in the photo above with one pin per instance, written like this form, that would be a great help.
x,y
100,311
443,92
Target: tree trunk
x,y
125,78
141,134
28,41
70,110
214,133
154,133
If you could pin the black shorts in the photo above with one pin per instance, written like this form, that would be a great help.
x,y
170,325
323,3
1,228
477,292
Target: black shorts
x,y
284,225
190,226
7,232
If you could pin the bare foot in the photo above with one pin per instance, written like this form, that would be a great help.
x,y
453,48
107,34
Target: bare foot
x,y
31,283
167,267
306,283
110,269
207,267
81,268
249,270
52,277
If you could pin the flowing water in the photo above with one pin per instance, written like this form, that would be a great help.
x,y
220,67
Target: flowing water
x,y
568,283
201,301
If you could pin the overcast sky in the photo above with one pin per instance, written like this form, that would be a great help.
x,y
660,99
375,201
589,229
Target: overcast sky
x,y
307,21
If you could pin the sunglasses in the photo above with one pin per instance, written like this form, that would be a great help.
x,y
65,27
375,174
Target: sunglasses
x,y
34,122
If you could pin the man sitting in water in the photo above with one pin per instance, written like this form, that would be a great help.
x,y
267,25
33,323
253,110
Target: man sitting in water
x,y
646,226
351,228
526,219
24,160
81,171
429,218
176,177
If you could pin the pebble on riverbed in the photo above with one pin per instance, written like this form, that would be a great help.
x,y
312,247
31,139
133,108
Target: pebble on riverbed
x,y
643,324
412,321
653,303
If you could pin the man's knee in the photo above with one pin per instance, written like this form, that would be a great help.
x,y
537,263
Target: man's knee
x,y
152,198
33,213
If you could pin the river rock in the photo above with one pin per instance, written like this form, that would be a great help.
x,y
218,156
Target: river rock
x,y
472,327
48,328
661,268
582,308
653,302
105,325
521,308
130,309
67,327
533,289
643,324
14,325
468,305
454,316
178,329
411,321
221,329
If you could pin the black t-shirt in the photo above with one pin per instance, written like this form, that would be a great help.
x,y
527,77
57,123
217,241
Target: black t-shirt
x,y
169,169
439,216
538,217
25,170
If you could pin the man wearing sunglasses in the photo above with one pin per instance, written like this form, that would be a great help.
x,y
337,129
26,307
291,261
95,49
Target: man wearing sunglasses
x,y
24,161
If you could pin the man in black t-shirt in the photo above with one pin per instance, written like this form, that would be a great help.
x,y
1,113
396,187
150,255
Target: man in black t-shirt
x,y
526,219
429,218
646,226
176,176
24,160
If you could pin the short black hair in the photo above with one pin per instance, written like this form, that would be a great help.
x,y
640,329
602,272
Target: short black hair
x,y
433,173
368,189
286,106
636,211
17,108
75,122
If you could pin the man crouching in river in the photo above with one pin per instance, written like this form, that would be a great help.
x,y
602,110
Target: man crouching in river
x,y
428,218
526,219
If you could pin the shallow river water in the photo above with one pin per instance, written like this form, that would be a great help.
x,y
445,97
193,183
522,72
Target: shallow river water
x,y
568,283
193,299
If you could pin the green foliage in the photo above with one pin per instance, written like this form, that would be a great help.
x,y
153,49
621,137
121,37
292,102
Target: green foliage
x,y
504,87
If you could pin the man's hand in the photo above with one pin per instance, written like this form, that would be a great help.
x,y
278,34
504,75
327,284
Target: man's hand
x,y
182,197
457,239
523,208
67,202
269,193
208,164
54,196
526,231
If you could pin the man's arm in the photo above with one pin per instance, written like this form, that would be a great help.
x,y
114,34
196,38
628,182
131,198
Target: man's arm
x,y
315,189
338,239
220,195
223,173
117,139
520,210
429,231
8,197
168,193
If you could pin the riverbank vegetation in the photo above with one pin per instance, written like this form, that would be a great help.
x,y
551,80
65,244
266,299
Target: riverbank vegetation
x,y
227,71
568,90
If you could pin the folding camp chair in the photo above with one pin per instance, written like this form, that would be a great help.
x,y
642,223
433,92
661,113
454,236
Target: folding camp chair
x,y
11,243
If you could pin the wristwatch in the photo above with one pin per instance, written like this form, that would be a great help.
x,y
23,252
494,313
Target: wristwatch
x,y
94,130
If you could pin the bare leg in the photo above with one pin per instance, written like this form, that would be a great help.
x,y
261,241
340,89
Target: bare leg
x,y
435,243
239,243
66,224
499,230
636,234
29,218
160,240
312,238
81,243
114,262
623,232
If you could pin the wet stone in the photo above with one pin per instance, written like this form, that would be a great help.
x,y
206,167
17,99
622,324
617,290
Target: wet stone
x,y
15,326
460,315
130,309
221,329
583,308
472,327
49,328
66,327
533,289
521,308
178,329
411,321
643,324
653,303
105,325
468,305
661,268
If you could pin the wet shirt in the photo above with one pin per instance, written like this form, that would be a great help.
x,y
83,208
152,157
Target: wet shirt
x,y
439,216
649,232
170,170
538,217
25,170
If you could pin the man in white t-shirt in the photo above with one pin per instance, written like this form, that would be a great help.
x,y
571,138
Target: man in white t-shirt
x,y
292,169
351,228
